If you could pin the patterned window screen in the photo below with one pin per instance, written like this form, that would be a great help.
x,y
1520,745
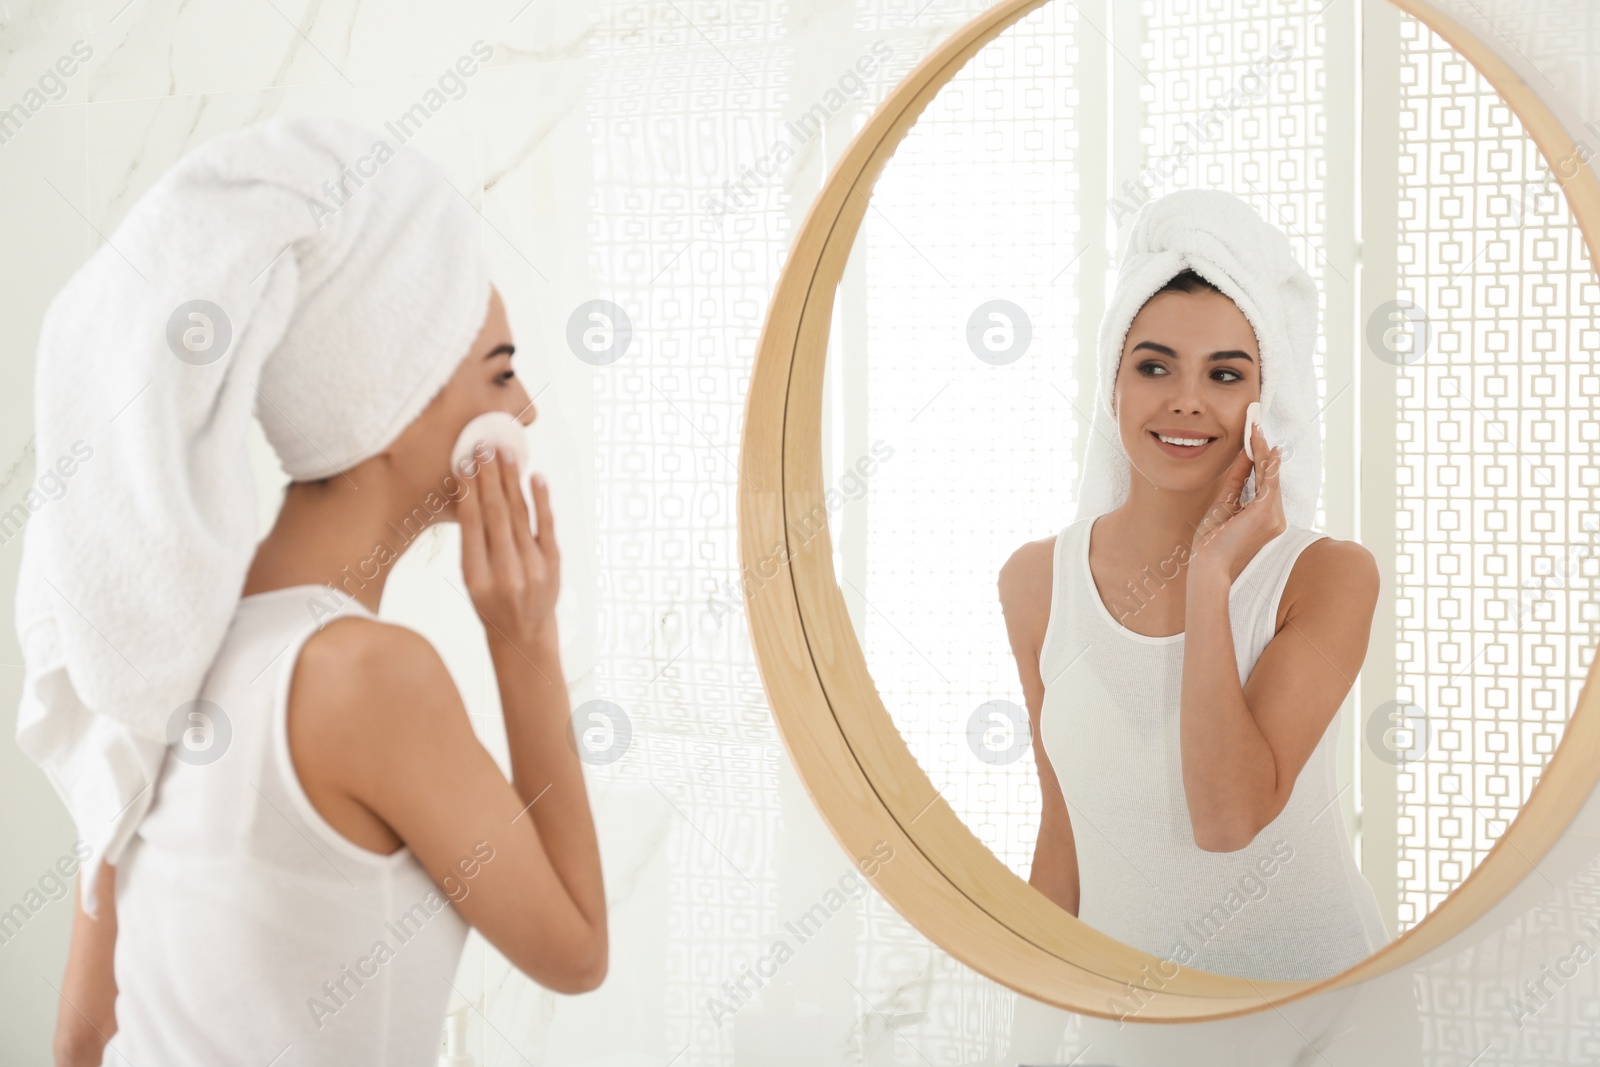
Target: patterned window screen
x,y
1496,471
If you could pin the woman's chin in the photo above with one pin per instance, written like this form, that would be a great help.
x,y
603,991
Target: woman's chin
x,y
1176,477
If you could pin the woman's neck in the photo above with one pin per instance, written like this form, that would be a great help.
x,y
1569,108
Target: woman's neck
x,y
346,533
1153,525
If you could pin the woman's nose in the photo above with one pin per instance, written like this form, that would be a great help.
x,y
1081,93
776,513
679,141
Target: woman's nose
x,y
528,412
1185,397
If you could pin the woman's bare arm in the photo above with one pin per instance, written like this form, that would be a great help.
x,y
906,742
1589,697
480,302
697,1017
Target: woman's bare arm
x,y
1245,746
519,860
86,1015
1024,585
517,602
389,733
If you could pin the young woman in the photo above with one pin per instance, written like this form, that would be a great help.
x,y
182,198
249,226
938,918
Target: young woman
x,y
304,889
1182,657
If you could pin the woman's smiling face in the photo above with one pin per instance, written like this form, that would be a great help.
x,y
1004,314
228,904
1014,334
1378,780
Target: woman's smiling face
x,y
1190,368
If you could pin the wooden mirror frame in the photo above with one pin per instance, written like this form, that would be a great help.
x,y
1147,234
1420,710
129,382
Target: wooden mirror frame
x,y
859,772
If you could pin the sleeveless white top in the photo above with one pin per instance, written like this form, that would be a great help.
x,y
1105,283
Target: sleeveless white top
x,y
1290,905
249,930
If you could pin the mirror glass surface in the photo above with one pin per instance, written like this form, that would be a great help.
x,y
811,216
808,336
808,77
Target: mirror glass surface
x,y
1456,367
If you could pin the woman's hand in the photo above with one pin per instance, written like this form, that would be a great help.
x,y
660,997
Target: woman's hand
x,y
1230,535
512,576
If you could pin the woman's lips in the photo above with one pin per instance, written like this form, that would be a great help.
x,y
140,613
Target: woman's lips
x,y
1181,451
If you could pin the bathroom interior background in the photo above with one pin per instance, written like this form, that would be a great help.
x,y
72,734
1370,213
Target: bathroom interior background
x,y
657,155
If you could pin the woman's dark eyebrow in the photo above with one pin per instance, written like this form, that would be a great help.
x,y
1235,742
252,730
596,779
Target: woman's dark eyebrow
x,y
507,349
1232,353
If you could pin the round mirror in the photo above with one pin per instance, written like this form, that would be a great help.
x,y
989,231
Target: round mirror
x,y
1106,785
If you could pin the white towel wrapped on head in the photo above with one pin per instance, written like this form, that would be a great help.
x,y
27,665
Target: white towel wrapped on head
x,y
348,282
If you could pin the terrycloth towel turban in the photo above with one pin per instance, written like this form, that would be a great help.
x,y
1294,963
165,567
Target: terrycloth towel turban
x,y
301,269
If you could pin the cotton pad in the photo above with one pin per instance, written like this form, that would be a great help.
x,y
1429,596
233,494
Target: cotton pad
x,y
497,429
1252,419
506,436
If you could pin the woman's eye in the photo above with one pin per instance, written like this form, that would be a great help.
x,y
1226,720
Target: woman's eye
x,y
505,376
1147,368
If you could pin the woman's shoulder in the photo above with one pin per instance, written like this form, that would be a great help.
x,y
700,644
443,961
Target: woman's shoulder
x,y
357,669
1028,574
1033,560
360,684
1025,584
1029,559
351,645
1324,553
1328,564
1027,569
359,702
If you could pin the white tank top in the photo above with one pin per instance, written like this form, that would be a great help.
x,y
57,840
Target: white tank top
x,y
1290,905
249,930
